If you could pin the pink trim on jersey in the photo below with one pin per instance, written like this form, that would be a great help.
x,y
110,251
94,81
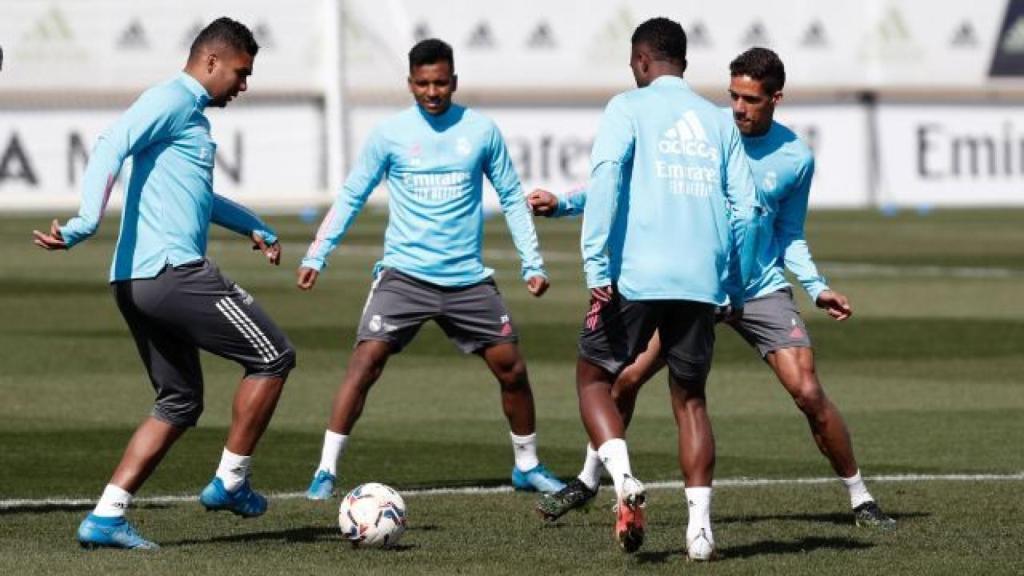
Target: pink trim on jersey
x,y
321,233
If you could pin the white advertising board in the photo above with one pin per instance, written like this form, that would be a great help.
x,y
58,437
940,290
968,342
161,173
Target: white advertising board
x,y
584,45
965,155
270,154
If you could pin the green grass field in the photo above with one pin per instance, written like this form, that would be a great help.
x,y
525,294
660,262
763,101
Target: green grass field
x,y
928,374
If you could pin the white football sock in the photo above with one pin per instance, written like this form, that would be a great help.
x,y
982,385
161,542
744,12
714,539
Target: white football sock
x,y
525,448
591,473
698,501
334,447
113,503
233,469
858,491
615,458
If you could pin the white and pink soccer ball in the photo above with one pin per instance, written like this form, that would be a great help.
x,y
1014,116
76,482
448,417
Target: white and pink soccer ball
x,y
372,515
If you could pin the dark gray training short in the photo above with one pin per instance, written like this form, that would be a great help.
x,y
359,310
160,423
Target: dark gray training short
x,y
189,307
772,322
615,333
474,317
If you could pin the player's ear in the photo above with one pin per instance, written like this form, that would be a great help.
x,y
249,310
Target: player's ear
x,y
455,82
777,97
211,61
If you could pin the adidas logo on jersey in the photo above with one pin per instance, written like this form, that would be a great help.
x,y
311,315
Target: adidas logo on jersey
x,y
687,138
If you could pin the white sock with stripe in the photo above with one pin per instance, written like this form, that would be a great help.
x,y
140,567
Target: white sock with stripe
x,y
233,469
113,503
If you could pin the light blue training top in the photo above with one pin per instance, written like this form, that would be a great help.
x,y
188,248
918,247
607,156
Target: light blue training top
x,y
169,201
782,166
435,167
671,199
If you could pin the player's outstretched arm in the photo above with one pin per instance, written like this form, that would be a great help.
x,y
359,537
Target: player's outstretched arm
x,y
52,240
238,218
836,304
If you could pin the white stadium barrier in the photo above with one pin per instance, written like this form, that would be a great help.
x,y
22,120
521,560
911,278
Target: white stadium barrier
x,y
905,103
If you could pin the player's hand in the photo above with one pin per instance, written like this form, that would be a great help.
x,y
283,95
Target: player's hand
x,y
722,313
537,285
837,305
542,202
733,315
306,278
51,241
271,251
602,293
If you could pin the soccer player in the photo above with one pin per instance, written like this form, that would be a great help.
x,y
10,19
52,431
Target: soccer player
x,y
434,155
783,167
664,242
174,300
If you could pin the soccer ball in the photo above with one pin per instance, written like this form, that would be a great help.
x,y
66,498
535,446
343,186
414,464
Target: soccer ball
x,y
372,515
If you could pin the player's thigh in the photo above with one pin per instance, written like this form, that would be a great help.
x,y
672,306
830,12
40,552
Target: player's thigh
x,y
687,331
396,307
773,322
170,357
476,318
220,317
614,333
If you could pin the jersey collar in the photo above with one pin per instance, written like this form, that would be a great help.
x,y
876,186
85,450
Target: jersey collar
x,y
193,85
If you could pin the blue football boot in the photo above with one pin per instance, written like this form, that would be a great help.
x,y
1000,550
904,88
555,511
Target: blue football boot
x,y
244,501
536,479
111,532
322,486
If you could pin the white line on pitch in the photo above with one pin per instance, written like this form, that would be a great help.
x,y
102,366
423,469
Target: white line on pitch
x,y
14,504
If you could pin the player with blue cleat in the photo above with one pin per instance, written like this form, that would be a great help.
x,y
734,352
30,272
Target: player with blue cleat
x,y
434,156
175,301
111,532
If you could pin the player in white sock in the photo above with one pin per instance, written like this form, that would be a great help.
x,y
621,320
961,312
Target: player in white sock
x,y
700,544
322,487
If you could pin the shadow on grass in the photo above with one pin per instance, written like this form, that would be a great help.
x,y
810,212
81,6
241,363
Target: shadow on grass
x,y
801,546
305,534
841,519
763,548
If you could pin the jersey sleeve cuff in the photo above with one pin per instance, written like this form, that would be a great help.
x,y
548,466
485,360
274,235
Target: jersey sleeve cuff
x,y
314,263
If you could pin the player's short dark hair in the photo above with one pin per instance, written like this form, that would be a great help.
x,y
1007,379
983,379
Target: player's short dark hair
x,y
666,38
762,65
224,30
431,51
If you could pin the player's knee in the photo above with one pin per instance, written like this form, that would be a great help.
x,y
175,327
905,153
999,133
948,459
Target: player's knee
x,y
283,364
179,412
511,375
810,397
